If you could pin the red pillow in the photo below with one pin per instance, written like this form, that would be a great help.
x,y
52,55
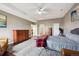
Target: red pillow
x,y
41,40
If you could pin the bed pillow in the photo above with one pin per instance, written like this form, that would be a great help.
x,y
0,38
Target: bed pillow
x,y
58,42
73,37
40,42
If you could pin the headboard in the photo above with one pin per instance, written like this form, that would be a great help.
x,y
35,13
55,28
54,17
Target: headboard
x,y
75,31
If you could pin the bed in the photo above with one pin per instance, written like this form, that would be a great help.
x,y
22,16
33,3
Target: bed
x,y
24,49
56,44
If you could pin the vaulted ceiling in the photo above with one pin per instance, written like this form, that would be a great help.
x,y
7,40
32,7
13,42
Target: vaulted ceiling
x,y
30,11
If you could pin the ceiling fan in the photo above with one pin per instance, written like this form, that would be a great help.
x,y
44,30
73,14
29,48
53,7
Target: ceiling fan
x,y
41,10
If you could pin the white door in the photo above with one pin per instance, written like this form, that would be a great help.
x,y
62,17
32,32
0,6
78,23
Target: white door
x,y
55,29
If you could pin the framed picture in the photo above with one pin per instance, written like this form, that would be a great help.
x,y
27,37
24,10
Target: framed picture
x,y
75,15
3,21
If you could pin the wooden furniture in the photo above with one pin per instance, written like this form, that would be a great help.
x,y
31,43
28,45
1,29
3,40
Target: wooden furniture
x,y
20,36
3,45
68,52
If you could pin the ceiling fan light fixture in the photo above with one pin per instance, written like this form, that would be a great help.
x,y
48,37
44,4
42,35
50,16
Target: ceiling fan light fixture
x,y
40,12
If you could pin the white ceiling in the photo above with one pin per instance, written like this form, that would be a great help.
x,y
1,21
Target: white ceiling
x,y
29,10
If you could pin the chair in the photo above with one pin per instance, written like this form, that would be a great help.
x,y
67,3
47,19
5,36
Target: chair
x,y
3,45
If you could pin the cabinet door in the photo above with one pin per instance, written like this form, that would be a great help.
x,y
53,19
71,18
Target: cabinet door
x,y
27,34
14,36
20,35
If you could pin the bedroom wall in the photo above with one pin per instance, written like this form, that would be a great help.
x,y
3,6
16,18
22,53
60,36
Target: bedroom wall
x,y
68,24
50,22
13,23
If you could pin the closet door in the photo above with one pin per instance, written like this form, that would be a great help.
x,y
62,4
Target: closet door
x,y
14,36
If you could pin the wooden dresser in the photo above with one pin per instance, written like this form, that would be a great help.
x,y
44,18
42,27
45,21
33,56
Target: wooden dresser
x,y
20,36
